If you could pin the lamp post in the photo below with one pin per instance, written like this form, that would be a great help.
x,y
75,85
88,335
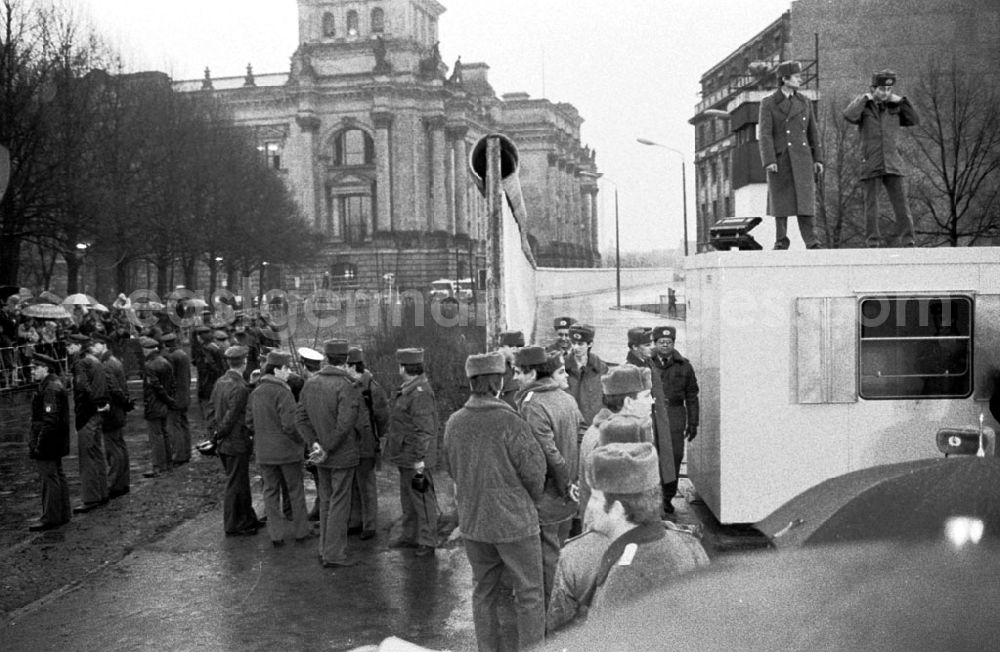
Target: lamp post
x,y
645,141
618,251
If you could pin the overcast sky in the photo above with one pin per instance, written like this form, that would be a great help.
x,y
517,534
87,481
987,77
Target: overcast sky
x,y
631,67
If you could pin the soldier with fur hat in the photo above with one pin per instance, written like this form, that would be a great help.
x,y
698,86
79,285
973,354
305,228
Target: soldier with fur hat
x,y
879,114
411,444
792,155
557,425
585,370
499,473
680,396
48,442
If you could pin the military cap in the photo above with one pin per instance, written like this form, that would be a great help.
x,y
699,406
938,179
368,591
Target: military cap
x,y
410,356
355,354
563,322
512,338
884,77
623,468
664,331
530,356
336,347
788,68
43,360
640,335
148,343
485,363
236,352
581,333
621,430
168,338
278,358
221,335
202,329
78,338
623,379
309,355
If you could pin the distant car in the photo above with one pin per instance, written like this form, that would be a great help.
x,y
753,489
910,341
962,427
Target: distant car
x,y
442,289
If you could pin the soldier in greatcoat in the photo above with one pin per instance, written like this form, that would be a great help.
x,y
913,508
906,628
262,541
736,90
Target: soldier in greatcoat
x,y
373,421
792,155
177,418
114,419
585,369
90,401
158,399
49,441
499,473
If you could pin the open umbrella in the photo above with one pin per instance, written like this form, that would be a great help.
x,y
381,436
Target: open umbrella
x,y
97,305
45,311
874,596
78,299
908,500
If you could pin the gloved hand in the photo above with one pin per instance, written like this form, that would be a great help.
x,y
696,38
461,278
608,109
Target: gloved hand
x,y
691,433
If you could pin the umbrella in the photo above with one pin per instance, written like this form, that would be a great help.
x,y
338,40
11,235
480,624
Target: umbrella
x,y
97,305
78,299
45,311
50,297
873,596
147,305
907,500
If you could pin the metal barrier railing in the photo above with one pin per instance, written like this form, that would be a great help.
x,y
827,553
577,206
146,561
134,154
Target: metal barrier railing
x,y
15,367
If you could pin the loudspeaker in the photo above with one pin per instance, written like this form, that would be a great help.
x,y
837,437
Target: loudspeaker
x,y
508,172
732,232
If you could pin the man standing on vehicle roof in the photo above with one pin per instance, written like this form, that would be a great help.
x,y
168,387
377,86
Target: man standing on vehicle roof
x,y
680,393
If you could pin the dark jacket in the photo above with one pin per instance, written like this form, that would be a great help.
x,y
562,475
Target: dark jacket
x,y
157,387
49,439
181,363
413,425
227,414
498,468
787,126
680,385
879,124
118,395
90,388
328,414
270,417
585,385
557,425
210,366
373,417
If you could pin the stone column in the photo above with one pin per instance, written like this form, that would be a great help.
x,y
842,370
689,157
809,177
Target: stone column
x,y
308,125
383,173
460,181
437,221
594,225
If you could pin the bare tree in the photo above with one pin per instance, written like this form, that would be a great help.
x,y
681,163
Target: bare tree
x,y
956,150
842,205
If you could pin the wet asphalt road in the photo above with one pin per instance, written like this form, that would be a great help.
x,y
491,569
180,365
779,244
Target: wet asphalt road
x,y
195,589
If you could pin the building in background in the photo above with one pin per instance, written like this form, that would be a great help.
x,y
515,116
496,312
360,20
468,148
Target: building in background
x,y
840,45
372,131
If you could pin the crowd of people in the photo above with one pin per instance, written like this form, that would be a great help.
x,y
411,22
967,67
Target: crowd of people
x,y
564,467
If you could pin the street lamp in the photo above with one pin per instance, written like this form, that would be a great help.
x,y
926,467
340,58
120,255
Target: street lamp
x,y
645,141
618,252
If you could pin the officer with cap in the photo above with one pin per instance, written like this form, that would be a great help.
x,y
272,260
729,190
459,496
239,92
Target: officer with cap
x,y
879,114
562,342
90,401
510,343
227,423
158,390
680,393
208,362
792,155
373,421
327,418
411,444
499,473
177,418
585,369
49,441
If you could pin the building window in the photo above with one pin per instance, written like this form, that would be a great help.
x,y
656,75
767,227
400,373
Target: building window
x,y
328,24
355,215
352,23
915,347
271,153
353,147
378,20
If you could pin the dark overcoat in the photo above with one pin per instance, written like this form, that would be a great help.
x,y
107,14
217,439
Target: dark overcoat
x,y
789,138
879,124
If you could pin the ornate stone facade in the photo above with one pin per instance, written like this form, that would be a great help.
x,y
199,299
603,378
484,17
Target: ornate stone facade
x,y
372,134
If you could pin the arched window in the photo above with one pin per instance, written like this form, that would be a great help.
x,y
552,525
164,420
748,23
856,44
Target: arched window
x,y
352,23
353,147
328,24
378,20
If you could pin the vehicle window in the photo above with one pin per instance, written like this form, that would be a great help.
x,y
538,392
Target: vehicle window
x,y
915,347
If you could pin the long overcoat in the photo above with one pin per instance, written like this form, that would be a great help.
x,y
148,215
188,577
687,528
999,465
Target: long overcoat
x,y
789,138
413,425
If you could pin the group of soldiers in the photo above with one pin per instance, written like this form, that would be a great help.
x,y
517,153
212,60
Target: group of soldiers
x,y
553,441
